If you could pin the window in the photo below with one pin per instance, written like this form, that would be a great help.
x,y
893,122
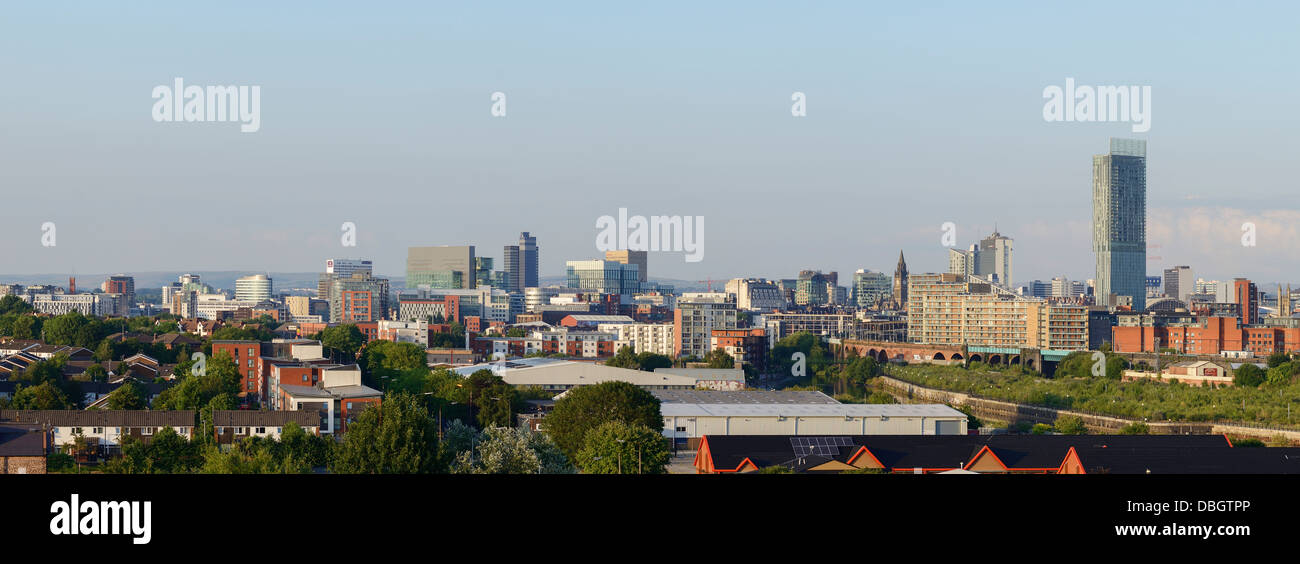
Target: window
x,y
97,430
250,363
349,406
147,431
304,377
76,430
250,352
261,430
278,430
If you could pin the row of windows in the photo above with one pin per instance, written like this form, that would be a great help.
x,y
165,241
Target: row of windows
x,y
100,430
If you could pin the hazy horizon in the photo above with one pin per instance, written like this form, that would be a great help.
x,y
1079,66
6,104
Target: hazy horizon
x,y
917,115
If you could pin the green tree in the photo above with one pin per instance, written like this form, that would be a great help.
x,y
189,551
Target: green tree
x,y
1248,376
1070,425
649,361
494,401
14,304
776,470
171,453
27,327
343,341
616,447
1115,366
587,407
165,453
718,358
195,391
383,361
1135,428
624,358
1278,358
396,437
130,395
65,329
499,450
880,397
41,396
95,373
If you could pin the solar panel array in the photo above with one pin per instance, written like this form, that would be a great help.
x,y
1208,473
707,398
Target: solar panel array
x,y
823,446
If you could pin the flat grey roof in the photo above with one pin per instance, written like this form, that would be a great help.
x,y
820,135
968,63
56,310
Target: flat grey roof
x,y
808,410
742,397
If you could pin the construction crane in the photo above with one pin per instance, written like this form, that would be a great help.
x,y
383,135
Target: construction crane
x,y
709,282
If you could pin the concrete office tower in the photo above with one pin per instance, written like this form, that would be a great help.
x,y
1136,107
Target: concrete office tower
x,y
255,288
343,268
121,284
994,260
167,292
695,319
756,293
440,267
965,262
1119,221
638,258
989,259
358,298
521,263
340,268
811,288
1179,283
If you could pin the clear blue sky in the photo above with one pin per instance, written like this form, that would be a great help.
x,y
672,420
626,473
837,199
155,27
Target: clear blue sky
x,y
378,113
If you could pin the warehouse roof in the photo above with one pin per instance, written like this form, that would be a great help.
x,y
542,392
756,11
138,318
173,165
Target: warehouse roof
x,y
557,372
706,373
742,397
670,409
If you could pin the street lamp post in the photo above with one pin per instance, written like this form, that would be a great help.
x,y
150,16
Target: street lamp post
x,y
620,455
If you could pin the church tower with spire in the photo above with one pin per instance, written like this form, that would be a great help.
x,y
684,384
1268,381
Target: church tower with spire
x,y
900,283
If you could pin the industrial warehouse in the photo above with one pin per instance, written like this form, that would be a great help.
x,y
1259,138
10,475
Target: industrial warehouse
x,y
687,422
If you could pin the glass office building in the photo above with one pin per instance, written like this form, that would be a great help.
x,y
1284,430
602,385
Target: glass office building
x,y
604,276
1119,221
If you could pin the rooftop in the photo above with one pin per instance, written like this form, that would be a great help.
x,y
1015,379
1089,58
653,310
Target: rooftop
x,y
672,409
742,397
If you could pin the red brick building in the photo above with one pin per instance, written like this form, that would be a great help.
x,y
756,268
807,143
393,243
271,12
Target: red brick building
x,y
745,345
247,356
1207,336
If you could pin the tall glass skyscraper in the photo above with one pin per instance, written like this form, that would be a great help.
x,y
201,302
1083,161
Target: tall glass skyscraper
x,y
521,263
1119,221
